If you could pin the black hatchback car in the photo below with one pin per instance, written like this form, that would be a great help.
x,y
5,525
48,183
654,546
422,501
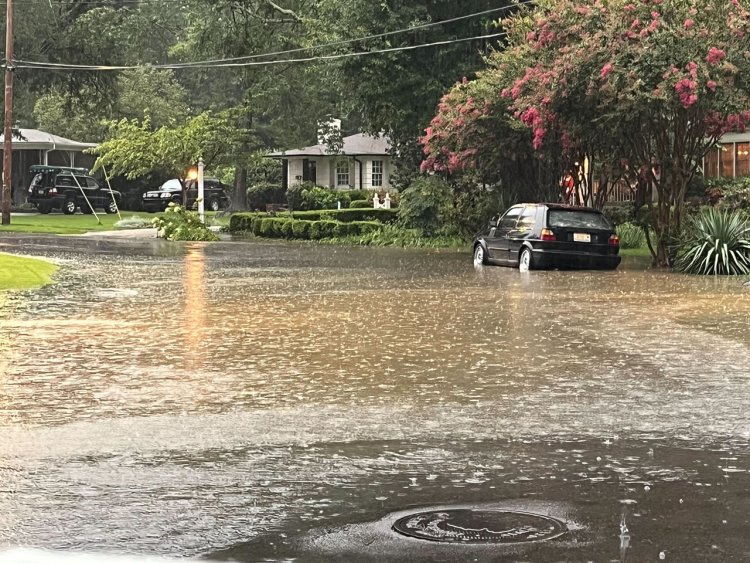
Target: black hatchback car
x,y
549,235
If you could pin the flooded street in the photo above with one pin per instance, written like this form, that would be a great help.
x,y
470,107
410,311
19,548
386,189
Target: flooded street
x,y
270,401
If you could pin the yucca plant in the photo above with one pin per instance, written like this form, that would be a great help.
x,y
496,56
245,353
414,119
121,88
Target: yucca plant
x,y
631,236
715,242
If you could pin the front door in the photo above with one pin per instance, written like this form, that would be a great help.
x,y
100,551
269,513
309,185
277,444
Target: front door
x,y
309,171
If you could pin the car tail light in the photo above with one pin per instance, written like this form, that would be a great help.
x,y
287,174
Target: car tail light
x,y
547,234
53,190
614,240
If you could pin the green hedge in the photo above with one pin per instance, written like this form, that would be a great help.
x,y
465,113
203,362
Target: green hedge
x,y
260,195
262,225
361,204
349,215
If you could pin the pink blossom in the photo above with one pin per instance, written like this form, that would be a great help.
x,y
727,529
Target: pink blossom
x,y
693,69
606,69
539,133
689,23
629,8
715,56
531,36
636,23
711,85
453,162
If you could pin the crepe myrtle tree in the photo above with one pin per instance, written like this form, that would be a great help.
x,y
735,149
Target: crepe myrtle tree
x,y
133,149
661,80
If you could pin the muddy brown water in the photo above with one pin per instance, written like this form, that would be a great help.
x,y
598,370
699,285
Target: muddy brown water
x,y
265,401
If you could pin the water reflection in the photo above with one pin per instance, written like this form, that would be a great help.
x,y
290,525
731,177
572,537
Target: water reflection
x,y
195,306
238,396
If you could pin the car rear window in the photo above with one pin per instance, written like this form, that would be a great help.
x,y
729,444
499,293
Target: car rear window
x,y
577,219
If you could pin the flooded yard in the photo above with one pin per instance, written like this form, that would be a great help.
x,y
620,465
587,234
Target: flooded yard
x,y
268,401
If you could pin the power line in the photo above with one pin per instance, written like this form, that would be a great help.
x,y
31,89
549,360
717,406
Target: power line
x,y
56,66
221,62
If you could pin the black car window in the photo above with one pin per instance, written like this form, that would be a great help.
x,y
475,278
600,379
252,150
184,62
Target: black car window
x,y
91,183
577,219
508,220
527,219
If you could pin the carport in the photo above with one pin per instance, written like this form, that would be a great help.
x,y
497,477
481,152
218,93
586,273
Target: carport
x,y
32,146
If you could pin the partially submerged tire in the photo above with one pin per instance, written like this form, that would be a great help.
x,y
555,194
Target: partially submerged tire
x,y
526,260
69,207
214,204
111,207
480,257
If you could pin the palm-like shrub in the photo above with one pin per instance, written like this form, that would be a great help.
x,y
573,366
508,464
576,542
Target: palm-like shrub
x,y
715,242
631,236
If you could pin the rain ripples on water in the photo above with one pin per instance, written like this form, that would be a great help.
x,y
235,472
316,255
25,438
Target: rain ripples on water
x,y
226,399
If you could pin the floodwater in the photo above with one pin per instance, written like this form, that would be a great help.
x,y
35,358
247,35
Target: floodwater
x,y
270,401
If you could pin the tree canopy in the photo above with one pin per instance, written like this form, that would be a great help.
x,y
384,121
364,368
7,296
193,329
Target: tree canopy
x,y
639,86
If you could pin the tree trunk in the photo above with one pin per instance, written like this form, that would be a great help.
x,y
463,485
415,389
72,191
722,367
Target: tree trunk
x,y
239,193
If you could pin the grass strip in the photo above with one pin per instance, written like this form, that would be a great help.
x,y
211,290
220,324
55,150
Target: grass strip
x,y
19,272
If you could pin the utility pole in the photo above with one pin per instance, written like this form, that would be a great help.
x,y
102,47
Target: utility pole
x,y
8,130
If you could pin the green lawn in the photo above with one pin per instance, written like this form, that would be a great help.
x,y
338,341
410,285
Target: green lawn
x,y
58,223
17,272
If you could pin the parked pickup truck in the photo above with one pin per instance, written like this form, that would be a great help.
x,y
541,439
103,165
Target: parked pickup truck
x,y
59,187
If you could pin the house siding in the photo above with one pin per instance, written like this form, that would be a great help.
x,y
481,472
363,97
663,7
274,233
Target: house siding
x,y
326,171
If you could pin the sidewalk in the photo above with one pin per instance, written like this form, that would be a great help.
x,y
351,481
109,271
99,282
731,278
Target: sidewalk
x,y
122,233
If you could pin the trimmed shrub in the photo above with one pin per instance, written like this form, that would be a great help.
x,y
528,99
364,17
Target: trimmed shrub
x,y
324,198
715,242
631,236
307,215
287,228
361,204
301,229
322,229
349,215
260,195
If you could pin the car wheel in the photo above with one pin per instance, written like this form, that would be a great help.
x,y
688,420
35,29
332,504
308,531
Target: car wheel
x,y
479,255
69,207
526,261
44,209
213,204
111,207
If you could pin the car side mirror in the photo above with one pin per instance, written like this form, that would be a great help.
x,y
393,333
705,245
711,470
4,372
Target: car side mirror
x,y
493,223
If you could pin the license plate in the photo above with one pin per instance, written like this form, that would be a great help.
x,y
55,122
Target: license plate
x,y
581,237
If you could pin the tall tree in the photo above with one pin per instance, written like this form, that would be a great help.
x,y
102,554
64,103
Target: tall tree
x,y
647,86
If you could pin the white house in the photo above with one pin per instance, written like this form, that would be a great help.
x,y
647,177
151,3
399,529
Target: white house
x,y
363,163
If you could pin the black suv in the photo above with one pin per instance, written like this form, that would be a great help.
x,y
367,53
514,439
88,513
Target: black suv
x,y
214,195
549,235
57,187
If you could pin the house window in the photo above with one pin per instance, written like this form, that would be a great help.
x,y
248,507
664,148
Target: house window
x,y
342,173
377,173
726,161
712,163
742,159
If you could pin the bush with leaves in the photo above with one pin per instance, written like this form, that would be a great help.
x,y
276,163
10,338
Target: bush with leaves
x,y
631,236
177,223
423,204
715,242
259,195
323,198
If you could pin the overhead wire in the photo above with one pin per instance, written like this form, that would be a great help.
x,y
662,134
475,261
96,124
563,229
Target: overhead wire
x,y
247,60
59,66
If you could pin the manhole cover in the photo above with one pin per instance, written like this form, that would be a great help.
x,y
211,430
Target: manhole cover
x,y
479,526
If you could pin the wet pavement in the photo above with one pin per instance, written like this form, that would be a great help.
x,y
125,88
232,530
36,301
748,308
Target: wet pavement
x,y
269,401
